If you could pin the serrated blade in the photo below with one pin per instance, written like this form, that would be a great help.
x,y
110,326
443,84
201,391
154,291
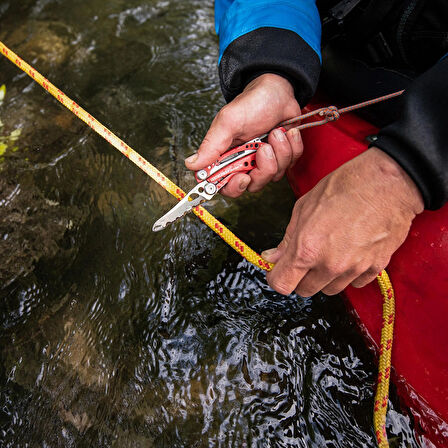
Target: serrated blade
x,y
191,200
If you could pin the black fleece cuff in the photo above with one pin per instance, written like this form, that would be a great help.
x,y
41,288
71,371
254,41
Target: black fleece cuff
x,y
269,50
418,140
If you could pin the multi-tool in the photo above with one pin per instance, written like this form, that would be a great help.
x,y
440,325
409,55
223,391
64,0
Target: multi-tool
x,y
240,159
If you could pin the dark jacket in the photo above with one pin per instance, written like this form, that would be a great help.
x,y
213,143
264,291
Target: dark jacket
x,y
369,48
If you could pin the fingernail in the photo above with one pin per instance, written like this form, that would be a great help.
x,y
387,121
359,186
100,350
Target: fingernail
x,y
192,158
244,183
295,134
267,253
267,152
279,135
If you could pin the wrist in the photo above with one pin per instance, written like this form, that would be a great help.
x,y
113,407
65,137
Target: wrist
x,y
272,79
401,184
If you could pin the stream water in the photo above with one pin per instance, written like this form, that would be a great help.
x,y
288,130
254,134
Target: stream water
x,y
112,335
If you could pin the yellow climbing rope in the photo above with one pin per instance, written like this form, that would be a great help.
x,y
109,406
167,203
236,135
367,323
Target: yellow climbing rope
x,y
142,163
230,238
384,362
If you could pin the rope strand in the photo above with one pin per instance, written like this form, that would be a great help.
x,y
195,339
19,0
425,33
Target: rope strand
x,y
330,114
232,240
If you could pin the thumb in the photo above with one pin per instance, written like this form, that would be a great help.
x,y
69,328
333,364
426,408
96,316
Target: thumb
x,y
217,141
274,255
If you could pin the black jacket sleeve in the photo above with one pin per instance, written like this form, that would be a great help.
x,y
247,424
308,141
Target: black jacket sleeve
x,y
269,50
418,140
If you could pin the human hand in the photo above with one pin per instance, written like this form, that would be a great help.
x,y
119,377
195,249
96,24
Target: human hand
x,y
346,228
264,103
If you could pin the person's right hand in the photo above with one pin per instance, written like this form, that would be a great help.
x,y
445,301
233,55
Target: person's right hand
x,y
264,103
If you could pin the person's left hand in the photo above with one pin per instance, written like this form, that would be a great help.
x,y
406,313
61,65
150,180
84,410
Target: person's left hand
x,y
346,228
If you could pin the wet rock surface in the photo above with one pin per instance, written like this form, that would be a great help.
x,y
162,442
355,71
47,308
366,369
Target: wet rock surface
x,y
42,43
32,227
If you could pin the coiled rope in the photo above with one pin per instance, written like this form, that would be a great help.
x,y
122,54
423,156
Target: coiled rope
x,y
328,114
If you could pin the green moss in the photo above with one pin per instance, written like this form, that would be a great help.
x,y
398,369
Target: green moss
x,y
6,141
2,93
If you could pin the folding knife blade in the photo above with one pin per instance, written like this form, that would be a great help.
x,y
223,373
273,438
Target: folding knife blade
x,y
202,192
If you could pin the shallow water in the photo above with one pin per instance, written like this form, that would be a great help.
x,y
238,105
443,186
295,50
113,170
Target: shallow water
x,y
112,335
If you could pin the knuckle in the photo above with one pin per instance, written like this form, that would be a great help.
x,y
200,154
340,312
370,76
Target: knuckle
x,y
206,142
334,270
361,269
298,205
294,159
304,291
377,267
280,286
383,263
278,176
361,281
331,290
225,114
228,117
208,147
269,171
373,271
337,268
307,252
286,239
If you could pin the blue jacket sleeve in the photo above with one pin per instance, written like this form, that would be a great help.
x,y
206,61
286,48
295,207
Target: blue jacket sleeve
x,y
262,36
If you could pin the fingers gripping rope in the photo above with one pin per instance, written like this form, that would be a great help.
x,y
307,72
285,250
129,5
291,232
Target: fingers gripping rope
x,y
328,114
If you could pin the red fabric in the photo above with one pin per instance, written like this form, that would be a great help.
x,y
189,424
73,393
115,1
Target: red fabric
x,y
419,273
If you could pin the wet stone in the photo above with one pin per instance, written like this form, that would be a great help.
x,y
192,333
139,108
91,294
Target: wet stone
x,y
44,44
31,225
